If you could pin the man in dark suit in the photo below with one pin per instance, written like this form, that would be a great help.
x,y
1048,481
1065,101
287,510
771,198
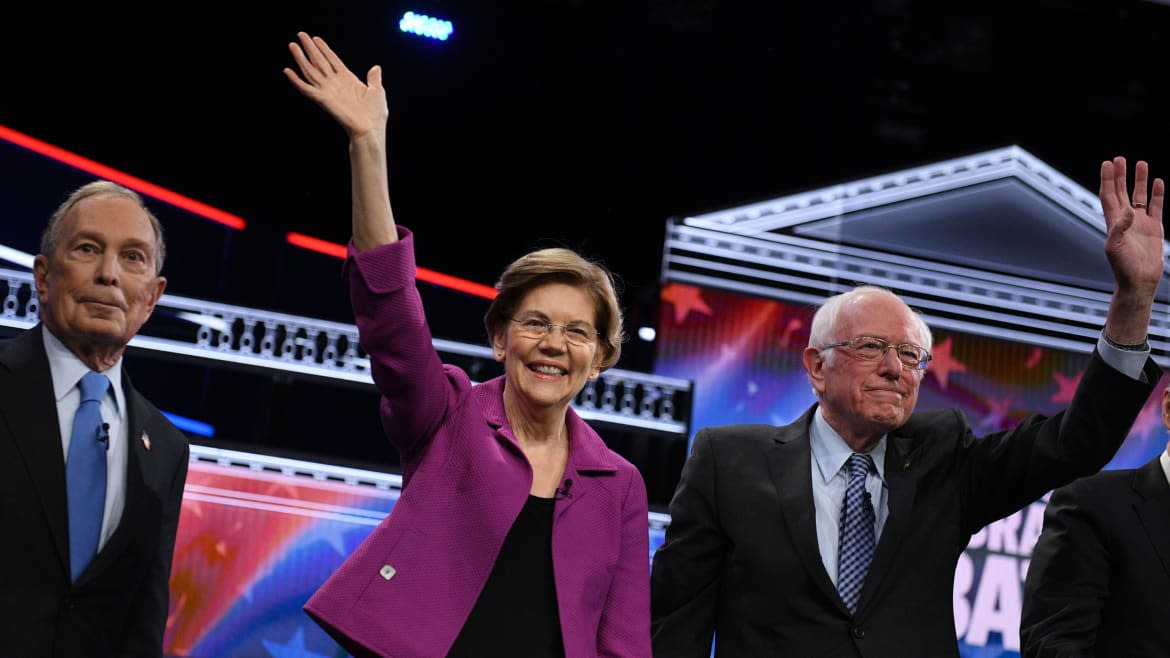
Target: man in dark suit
x,y
838,535
1099,582
91,474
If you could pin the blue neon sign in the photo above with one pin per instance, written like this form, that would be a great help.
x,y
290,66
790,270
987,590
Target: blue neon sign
x,y
425,26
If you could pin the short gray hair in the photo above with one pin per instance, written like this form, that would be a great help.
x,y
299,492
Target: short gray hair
x,y
53,230
824,324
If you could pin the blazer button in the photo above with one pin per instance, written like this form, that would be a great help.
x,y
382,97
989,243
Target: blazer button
x,y
388,571
858,632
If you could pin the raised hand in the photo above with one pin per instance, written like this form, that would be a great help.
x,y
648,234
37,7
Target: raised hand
x,y
360,107
1133,245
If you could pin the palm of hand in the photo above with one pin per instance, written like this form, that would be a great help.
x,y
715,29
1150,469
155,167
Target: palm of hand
x,y
360,107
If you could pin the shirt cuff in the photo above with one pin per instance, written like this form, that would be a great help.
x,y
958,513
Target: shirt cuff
x,y
1128,362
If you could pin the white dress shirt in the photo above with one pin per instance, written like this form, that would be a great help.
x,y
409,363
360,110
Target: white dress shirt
x,y
66,371
1165,459
830,477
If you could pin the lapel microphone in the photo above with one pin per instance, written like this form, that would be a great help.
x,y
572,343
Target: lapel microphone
x,y
563,491
104,435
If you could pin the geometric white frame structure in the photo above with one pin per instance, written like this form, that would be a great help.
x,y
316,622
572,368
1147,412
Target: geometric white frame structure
x,y
804,247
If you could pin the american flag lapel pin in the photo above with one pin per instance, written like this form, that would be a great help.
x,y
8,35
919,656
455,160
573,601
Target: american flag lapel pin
x,y
145,438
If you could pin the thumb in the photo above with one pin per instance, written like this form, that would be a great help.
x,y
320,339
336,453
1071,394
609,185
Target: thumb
x,y
374,77
1123,223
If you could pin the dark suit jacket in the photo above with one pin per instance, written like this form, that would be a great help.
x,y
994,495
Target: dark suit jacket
x,y
741,555
118,607
1099,582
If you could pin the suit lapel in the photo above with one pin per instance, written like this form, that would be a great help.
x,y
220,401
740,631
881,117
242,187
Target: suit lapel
x,y
1153,507
902,488
30,411
790,465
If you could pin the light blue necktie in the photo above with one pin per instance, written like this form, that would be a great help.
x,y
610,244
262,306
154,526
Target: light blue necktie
x,y
855,550
85,473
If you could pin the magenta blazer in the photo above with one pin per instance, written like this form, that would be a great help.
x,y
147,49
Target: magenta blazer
x,y
409,588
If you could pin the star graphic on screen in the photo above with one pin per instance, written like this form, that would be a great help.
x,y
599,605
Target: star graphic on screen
x,y
1034,358
295,648
794,325
1066,386
685,299
1150,418
997,414
942,364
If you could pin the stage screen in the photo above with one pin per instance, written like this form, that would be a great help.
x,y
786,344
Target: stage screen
x,y
257,537
744,355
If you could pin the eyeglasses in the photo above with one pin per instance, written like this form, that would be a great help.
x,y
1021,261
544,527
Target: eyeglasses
x,y
869,348
579,334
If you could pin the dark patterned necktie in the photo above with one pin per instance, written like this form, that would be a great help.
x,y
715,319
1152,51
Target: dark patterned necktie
x,y
855,549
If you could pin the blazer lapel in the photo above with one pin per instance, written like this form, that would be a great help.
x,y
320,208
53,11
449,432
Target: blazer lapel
x,y
1153,507
902,488
790,465
30,411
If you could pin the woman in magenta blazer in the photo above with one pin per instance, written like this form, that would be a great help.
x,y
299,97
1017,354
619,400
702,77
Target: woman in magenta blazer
x,y
518,532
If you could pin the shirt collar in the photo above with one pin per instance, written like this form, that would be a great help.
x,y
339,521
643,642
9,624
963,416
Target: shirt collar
x,y
830,452
66,370
1165,459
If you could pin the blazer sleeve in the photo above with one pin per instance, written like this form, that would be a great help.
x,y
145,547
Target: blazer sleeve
x,y
624,629
1067,582
1007,470
151,606
688,568
417,390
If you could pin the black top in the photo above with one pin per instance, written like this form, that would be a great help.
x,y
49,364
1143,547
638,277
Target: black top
x,y
516,613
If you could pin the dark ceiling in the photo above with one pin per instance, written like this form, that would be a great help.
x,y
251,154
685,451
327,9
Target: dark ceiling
x,y
582,123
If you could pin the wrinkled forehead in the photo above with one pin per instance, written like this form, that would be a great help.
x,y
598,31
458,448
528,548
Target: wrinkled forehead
x,y
110,216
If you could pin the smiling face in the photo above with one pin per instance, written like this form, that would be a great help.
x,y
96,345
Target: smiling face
x,y
864,400
547,373
99,285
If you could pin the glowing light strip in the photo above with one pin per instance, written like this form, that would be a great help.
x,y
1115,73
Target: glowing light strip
x,y
16,256
133,182
430,276
283,500
425,26
267,507
287,466
190,425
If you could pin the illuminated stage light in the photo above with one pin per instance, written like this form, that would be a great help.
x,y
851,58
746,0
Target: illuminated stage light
x,y
189,425
647,334
425,26
421,273
16,256
122,178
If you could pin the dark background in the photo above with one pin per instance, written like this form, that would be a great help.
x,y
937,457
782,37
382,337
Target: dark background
x,y
558,122
585,124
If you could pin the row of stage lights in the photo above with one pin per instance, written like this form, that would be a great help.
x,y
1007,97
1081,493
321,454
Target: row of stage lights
x,y
425,26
